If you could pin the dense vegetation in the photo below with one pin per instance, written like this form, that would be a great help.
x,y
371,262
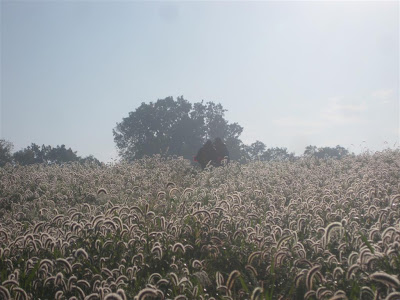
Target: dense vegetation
x,y
161,228
35,154
168,127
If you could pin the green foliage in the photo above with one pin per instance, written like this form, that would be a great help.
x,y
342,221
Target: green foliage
x,y
277,154
326,152
174,128
367,243
258,151
5,152
34,154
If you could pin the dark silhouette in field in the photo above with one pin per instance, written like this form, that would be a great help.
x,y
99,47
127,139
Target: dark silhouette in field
x,y
212,153
206,154
222,151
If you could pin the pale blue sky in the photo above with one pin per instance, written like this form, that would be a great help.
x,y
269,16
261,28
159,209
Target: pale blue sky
x,y
291,73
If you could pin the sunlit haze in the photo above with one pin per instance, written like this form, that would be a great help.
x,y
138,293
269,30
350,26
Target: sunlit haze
x,y
291,73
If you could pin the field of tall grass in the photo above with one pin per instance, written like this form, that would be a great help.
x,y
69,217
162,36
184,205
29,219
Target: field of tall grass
x,y
163,229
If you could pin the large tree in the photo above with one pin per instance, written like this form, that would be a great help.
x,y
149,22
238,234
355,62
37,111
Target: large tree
x,y
170,127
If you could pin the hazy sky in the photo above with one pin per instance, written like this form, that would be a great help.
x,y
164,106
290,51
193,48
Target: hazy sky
x,y
291,73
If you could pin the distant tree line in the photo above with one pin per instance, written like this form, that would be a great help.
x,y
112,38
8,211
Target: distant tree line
x,y
35,154
179,128
258,151
171,128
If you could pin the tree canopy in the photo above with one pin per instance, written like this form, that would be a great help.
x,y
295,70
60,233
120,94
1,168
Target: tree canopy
x,y
45,154
5,152
35,154
177,127
170,127
326,152
258,151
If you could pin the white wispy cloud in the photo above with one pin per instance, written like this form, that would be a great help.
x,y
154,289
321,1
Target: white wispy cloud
x,y
383,95
305,126
335,112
